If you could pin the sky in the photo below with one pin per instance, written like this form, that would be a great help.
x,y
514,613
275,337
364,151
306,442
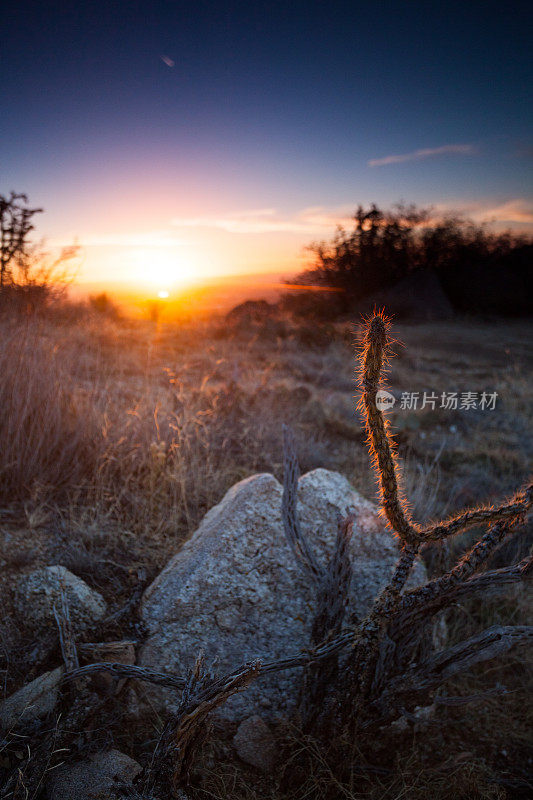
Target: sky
x,y
178,141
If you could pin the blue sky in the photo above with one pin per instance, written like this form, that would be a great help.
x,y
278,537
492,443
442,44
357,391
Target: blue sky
x,y
230,135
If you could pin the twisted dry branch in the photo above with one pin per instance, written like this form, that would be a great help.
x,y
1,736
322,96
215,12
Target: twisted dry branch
x,y
187,730
413,687
301,548
495,580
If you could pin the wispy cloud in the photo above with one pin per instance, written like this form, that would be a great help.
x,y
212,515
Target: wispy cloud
x,y
168,61
319,221
511,211
146,239
419,155
517,211
267,220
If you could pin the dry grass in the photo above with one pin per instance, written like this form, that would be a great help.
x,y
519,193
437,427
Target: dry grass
x,y
118,436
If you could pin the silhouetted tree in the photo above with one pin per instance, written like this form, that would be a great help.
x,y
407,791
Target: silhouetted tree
x,y
15,225
29,276
378,251
479,271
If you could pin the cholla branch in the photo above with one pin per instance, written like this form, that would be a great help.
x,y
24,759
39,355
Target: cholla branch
x,y
484,515
373,358
66,633
409,614
327,624
414,687
291,524
470,563
333,595
128,671
372,647
409,622
365,655
186,732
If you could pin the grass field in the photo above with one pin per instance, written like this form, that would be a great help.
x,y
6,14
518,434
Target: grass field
x,y
118,436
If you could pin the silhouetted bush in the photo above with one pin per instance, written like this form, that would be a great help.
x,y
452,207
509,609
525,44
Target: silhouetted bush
x,y
103,304
31,279
480,271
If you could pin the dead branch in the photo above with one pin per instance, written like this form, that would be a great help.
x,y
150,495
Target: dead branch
x,y
327,624
66,633
301,548
185,733
415,686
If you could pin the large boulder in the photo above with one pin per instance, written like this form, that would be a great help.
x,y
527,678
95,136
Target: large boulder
x,y
235,592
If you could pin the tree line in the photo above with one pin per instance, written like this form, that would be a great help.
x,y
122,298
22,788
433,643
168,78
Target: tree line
x,y
479,270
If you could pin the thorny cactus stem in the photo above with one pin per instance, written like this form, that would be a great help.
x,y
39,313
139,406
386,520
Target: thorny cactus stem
x,y
373,358
485,515
468,565
364,654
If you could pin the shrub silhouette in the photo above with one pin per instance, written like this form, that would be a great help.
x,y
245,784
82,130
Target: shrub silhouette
x,y
15,226
481,272
29,276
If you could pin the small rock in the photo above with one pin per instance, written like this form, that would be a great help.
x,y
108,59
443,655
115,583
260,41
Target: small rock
x,y
33,701
40,590
95,777
255,744
418,719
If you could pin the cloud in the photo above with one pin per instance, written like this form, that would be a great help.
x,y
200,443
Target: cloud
x,y
518,211
320,217
419,155
266,220
147,239
319,221
167,60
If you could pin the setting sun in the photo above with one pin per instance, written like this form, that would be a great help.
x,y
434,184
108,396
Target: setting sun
x,y
161,268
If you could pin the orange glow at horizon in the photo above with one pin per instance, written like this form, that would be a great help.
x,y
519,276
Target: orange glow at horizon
x,y
149,263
